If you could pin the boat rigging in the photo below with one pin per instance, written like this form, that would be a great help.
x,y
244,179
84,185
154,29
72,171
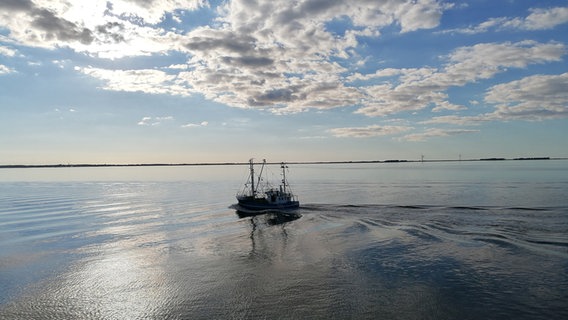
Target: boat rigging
x,y
260,195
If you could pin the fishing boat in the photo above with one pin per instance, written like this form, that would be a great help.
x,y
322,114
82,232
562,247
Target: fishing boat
x,y
259,194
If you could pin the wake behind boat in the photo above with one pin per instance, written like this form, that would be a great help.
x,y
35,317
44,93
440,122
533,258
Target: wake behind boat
x,y
259,194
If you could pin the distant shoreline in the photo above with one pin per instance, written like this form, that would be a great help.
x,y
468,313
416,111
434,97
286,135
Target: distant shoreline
x,y
87,165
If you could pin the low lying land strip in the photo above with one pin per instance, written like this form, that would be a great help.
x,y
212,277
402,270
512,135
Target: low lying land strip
x,y
87,165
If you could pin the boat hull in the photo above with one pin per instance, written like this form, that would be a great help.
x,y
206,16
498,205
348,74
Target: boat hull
x,y
263,204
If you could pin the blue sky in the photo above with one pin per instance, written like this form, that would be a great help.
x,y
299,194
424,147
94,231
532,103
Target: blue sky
x,y
143,81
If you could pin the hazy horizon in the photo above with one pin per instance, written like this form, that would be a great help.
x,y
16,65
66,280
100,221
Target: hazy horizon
x,y
276,162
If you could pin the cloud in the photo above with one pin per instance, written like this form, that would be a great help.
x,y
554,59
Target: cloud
x,y
542,19
231,69
145,121
461,120
110,29
286,16
421,15
236,70
143,80
247,59
8,52
419,88
538,19
178,67
484,60
436,132
40,26
5,70
377,130
368,131
193,125
313,137
283,57
154,121
252,61
152,11
537,97
533,98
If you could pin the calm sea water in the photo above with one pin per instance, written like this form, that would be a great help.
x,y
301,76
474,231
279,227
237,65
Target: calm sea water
x,y
463,240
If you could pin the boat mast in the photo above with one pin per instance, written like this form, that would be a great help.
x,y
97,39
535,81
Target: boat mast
x,y
252,176
261,170
283,166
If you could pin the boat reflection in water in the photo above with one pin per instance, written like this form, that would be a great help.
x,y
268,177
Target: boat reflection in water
x,y
271,217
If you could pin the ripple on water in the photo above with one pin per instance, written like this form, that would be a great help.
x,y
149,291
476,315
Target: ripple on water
x,y
176,250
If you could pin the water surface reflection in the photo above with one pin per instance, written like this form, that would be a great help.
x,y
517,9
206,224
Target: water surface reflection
x,y
174,250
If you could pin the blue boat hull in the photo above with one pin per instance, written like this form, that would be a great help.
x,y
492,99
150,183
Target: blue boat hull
x,y
262,204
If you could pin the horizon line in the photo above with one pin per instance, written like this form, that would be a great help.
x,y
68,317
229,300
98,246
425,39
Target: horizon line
x,y
86,165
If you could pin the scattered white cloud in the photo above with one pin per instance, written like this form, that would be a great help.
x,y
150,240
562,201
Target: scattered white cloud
x,y
484,60
532,98
542,19
313,137
368,131
32,24
282,56
193,125
538,19
143,80
110,29
5,70
420,88
405,90
119,28
537,97
6,51
238,123
178,66
460,120
436,132
377,130
145,121
251,61
153,11
61,64
154,121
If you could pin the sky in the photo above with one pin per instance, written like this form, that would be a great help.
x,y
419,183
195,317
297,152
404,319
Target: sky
x,y
172,81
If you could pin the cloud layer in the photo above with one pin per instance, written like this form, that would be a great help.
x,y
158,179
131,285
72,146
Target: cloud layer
x,y
294,56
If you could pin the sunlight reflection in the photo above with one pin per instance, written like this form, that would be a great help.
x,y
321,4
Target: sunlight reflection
x,y
119,282
124,276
